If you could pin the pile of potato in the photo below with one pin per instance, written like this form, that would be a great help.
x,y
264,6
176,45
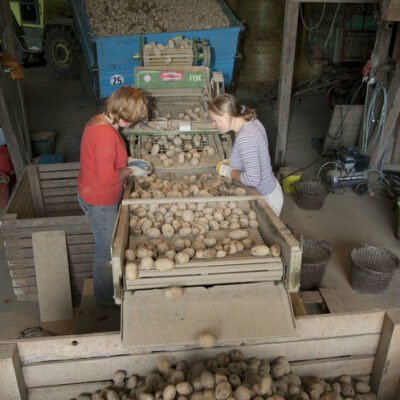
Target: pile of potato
x,y
134,17
229,377
190,219
189,224
204,185
179,149
163,256
189,114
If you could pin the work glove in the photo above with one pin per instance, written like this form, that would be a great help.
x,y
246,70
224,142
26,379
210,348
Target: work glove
x,y
224,169
139,167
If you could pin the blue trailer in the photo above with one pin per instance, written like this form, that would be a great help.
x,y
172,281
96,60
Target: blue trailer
x,y
109,59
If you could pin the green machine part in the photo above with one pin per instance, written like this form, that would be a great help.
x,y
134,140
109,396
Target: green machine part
x,y
171,78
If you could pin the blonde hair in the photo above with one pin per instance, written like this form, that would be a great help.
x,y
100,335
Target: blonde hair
x,y
227,103
126,103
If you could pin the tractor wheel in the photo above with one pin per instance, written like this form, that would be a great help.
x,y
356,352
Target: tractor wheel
x,y
63,52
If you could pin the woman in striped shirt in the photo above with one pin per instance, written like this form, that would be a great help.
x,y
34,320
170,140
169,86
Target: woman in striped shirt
x,y
249,162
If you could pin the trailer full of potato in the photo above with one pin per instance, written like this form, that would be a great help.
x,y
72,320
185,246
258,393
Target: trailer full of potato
x,y
133,17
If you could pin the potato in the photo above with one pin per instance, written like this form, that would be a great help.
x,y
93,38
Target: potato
x,y
265,386
362,387
153,233
130,255
146,263
275,250
242,393
164,264
185,231
239,191
347,390
188,216
162,248
214,225
182,257
170,254
155,150
223,390
207,340
167,230
173,292
132,382
169,392
184,388
221,254
218,216
179,244
131,271
259,250
190,251
112,395
253,223
207,379
247,243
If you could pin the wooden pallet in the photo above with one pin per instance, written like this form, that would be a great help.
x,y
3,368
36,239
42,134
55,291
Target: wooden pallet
x,y
243,267
45,199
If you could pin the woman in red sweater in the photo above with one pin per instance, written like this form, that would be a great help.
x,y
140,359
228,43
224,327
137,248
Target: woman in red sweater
x,y
103,169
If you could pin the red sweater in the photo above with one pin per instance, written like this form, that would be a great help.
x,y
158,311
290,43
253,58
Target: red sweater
x,y
103,153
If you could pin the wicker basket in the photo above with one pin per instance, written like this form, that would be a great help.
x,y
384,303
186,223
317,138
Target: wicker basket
x,y
316,255
43,142
310,194
372,269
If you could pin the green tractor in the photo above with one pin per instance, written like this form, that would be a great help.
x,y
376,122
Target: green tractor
x,y
46,27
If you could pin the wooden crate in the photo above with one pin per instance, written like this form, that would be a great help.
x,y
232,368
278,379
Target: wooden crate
x,y
206,164
271,231
45,199
362,344
242,267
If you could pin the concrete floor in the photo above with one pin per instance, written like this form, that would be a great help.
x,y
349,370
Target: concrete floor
x,y
346,220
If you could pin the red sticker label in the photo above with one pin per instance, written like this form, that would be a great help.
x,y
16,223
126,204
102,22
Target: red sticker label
x,y
175,76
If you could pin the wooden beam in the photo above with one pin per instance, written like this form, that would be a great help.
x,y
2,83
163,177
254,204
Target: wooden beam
x,y
36,191
385,373
53,281
11,380
390,124
297,304
391,10
286,78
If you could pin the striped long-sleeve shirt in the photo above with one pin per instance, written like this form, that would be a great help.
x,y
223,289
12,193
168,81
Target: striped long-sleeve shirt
x,y
250,155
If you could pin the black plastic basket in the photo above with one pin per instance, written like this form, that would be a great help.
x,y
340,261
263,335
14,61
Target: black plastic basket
x,y
43,142
316,255
310,194
372,269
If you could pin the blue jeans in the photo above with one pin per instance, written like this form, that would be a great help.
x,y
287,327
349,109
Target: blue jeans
x,y
102,220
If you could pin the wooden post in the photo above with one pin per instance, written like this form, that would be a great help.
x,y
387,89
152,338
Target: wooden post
x,y
286,78
11,102
386,371
390,124
11,380
36,191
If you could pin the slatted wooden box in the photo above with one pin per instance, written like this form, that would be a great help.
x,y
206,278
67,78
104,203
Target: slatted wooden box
x,y
45,199
364,344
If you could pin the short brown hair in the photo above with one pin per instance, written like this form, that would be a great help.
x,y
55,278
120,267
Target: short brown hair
x,y
126,103
227,103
